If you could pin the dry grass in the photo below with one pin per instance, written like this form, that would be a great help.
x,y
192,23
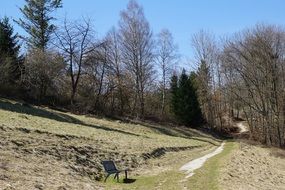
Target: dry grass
x,y
55,150
253,167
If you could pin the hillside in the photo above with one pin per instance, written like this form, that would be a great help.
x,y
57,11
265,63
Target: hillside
x,y
41,148
253,167
47,149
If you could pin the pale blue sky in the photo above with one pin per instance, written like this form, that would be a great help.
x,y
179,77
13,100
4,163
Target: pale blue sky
x,y
182,17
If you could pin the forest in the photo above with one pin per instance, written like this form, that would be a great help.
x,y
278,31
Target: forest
x,y
132,73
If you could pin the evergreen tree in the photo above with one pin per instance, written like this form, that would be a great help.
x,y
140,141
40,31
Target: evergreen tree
x,y
183,98
37,21
196,110
174,91
10,60
185,105
193,77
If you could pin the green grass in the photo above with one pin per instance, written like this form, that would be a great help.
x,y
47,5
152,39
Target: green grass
x,y
166,180
207,177
170,179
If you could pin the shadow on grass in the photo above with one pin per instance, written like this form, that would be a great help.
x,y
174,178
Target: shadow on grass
x,y
30,110
61,117
181,132
129,180
110,129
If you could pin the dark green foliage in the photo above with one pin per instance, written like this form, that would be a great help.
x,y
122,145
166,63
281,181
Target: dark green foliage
x,y
37,21
174,92
10,61
193,77
185,105
195,106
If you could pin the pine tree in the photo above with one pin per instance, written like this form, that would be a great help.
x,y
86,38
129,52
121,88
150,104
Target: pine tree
x,y
174,90
10,60
37,21
183,98
185,105
195,106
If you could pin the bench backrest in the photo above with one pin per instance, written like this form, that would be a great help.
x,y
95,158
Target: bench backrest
x,y
109,166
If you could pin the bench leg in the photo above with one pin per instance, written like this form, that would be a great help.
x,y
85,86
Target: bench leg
x,y
126,174
106,177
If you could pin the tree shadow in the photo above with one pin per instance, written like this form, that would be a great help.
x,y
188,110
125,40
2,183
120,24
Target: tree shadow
x,y
61,117
23,108
110,129
182,132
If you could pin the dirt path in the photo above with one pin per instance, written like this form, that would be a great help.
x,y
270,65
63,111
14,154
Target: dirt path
x,y
191,166
243,128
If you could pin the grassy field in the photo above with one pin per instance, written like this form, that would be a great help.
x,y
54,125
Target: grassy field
x,y
56,150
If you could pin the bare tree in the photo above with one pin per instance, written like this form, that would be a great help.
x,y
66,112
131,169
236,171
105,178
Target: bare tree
x,y
137,51
75,41
166,58
254,67
94,69
206,57
117,73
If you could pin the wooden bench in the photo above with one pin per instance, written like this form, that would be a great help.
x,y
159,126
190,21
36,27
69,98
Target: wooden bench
x,y
110,169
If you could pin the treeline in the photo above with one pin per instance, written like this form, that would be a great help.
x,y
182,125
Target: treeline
x,y
130,72
127,73
243,76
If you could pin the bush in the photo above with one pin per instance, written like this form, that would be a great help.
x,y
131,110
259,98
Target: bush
x,y
43,74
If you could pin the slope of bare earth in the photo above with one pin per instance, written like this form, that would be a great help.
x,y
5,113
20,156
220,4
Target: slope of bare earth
x,y
47,149
252,167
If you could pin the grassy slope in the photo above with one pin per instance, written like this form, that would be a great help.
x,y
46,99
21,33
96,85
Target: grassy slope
x,y
125,143
120,136
253,166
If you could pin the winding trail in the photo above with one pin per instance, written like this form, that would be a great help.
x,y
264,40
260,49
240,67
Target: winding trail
x,y
193,165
